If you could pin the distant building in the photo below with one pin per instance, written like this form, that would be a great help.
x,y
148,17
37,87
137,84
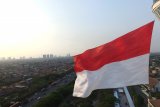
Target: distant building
x,y
51,55
154,85
68,55
29,80
3,58
23,57
47,55
44,56
9,58
20,86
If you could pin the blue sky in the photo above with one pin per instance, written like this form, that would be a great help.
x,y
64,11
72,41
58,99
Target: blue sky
x,y
70,26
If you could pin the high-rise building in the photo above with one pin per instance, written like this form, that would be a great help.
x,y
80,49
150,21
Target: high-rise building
x,y
48,56
3,58
23,57
51,55
9,58
44,56
156,8
68,55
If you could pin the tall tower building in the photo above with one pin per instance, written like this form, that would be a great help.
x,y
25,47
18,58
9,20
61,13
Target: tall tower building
x,y
51,55
48,56
156,8
44,56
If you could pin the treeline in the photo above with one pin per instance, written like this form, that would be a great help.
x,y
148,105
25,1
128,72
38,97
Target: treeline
x,y
63,98
137,99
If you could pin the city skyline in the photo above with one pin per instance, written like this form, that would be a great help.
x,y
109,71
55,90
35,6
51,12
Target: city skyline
x,y
29,28
44,56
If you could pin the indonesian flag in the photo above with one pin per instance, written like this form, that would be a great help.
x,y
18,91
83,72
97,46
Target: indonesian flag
x,y
121,62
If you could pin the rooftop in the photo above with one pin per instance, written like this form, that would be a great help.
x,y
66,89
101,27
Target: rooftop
x,y
155,103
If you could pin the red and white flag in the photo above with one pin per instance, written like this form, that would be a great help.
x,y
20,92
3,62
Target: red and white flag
x,y
121,62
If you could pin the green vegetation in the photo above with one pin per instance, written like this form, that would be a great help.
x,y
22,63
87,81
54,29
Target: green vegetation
x,y
138,100
106,97
55,98
157,95
4,103
63,98
37,84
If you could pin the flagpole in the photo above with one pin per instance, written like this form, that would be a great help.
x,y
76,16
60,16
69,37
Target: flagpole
x,y
149,96
130,101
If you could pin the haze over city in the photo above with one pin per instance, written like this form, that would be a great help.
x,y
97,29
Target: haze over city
x,y
42,63
35,27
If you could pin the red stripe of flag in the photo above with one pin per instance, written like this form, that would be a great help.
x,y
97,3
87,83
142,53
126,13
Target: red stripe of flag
x,y
132,44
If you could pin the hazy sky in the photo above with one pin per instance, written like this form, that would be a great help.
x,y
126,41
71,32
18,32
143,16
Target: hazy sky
x,y
36,27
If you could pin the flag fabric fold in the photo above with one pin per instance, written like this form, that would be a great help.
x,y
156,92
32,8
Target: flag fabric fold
x,y
121,62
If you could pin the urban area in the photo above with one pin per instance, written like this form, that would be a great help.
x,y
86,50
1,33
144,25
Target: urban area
x,y
48,82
